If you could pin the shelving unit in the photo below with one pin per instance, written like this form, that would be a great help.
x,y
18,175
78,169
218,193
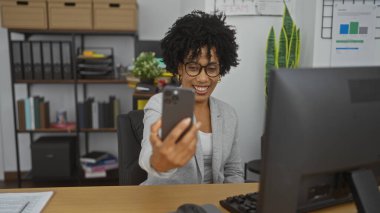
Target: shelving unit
x,y
75,82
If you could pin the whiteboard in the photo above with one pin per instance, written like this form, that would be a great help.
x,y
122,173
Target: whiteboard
x,y
249,7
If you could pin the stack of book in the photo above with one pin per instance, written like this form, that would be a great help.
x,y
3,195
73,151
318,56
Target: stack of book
x,y
95,164
99,114
33,113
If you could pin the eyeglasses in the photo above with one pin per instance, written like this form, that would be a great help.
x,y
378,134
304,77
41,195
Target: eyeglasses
x,y
193,69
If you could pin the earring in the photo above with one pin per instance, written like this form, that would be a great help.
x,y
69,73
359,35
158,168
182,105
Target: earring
x,y
220,79
179,78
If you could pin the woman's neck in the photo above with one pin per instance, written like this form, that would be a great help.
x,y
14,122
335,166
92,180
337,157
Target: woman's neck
x,y
203,114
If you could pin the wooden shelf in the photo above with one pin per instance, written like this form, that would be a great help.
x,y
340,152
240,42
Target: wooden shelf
x,y
73,32
45,81
102,81
98,130
142,95
79,81
48,130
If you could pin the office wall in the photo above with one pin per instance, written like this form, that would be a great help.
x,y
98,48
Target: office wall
x,y
1,148
7,136
187,6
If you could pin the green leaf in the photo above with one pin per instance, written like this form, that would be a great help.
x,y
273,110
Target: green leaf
x,y
287,22
292,51
298,48
270,61
282,49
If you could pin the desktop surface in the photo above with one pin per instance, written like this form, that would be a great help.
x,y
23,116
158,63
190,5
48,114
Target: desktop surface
x,y
147,198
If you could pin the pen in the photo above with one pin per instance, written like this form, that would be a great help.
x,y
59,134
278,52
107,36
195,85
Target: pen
x,y
26,204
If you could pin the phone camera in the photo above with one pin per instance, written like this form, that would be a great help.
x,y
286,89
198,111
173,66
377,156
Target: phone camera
x,y
167,101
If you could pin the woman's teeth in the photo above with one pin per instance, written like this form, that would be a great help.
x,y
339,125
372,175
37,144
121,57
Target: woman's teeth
x,y
200,89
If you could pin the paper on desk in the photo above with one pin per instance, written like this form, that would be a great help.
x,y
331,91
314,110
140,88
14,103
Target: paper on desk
x,y
28,202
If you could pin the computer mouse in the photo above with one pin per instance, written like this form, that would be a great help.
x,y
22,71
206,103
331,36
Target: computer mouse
x,y
190,208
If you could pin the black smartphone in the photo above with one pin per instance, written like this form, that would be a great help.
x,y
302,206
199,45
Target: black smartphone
x,y
178,104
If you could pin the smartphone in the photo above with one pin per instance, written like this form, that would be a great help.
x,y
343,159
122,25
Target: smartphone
x,y
178,104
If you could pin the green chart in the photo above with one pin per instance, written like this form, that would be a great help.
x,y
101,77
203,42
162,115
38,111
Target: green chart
x,y
354,27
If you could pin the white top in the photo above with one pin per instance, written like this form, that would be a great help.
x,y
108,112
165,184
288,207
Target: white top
x,y
206,142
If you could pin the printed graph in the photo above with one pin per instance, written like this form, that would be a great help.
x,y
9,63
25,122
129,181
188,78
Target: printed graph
x,y
327,16
352,28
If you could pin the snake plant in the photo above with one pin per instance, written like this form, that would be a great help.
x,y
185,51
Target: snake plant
x,y
287,53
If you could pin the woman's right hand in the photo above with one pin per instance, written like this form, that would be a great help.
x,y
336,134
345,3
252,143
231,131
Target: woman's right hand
x,y
168,154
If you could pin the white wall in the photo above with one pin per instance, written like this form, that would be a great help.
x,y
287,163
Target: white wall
x,y
1,147
6,109
188,6
155,17
243,87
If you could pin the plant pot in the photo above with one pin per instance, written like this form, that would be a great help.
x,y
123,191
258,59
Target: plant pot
x,y
147,81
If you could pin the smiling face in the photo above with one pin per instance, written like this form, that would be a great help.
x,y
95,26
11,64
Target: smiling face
x,y
202,84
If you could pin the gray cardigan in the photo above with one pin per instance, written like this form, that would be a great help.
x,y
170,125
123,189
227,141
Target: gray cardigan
x,y
226,161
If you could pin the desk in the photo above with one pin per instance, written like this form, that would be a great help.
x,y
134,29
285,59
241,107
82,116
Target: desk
x,y
146,198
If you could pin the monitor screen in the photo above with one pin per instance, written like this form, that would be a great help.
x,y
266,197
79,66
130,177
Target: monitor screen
x,y
321,124
148,46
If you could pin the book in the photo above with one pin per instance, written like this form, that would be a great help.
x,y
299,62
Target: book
x,y
108,115
88,106
21,114
28,123
36,102
85,113
81,112
95,115
44,115
94,156
97,174
102,123
32,119
111,120
116,111
97,168
107,161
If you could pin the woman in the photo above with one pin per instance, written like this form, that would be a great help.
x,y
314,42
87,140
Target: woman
x,y
199,48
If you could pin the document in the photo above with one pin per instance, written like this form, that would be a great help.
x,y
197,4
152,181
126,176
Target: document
x,y
249,7
26,202
353,38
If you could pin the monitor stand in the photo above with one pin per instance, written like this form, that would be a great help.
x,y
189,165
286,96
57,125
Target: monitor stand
x,y
365,191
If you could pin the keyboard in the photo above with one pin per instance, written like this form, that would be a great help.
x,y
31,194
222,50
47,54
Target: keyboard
x,y
241,203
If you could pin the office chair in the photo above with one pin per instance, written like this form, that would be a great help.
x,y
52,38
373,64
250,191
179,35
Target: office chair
x,y
130,134
254,165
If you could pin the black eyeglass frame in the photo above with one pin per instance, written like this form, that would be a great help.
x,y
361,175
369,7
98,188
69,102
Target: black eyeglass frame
x,y
202,67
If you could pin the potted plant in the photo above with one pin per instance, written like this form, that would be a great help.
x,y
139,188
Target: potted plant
x,y
146,67
285,54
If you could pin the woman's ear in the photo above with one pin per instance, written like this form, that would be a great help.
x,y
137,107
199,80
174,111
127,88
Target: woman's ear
x,y
180,69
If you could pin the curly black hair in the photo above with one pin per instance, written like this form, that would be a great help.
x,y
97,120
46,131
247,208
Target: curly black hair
x,y
196,30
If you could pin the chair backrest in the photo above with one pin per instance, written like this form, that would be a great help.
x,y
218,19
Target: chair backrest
x,y
130,134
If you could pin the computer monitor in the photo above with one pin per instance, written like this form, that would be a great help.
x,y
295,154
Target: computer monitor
x,y
322,128
148,46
